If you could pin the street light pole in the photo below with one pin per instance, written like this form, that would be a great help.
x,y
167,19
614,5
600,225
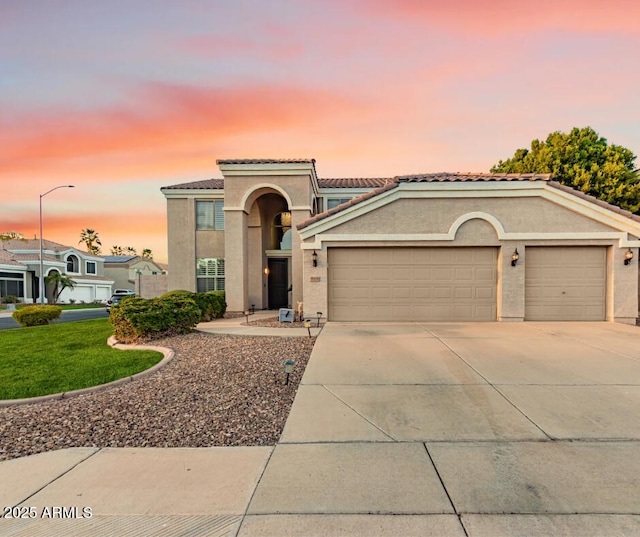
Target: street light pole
x,y
41,285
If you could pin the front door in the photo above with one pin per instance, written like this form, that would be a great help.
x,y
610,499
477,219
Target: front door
x,y
278,283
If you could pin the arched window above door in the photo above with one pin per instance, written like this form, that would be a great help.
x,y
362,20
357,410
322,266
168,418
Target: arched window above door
x,y
280,231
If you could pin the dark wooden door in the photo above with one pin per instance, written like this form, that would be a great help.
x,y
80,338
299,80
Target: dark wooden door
x,y
278,283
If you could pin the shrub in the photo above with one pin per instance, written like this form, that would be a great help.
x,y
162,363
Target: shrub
x,y
9,299
136,319
212,304
36,315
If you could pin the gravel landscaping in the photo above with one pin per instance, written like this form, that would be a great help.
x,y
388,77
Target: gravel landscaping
x,y
217,391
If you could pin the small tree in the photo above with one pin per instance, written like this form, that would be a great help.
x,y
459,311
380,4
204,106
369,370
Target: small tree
x,y
59,283
146,252
91,240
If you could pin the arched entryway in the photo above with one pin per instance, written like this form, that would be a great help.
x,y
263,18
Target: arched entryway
x,y
269,250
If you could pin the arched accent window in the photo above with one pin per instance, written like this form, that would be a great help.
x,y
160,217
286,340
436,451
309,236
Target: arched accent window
x,y
280,225
73,265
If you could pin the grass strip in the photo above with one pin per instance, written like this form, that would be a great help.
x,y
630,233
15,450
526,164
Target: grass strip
x,y
61,357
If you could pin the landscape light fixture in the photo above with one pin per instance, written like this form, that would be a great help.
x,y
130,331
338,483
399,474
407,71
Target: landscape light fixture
x,y
41,284
628,256
514,257
288,369
246,314
319,314
307,325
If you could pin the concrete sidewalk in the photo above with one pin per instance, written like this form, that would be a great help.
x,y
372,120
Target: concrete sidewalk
x,y
397,429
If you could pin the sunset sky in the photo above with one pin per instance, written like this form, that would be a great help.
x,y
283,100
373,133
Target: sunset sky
x,y
122,97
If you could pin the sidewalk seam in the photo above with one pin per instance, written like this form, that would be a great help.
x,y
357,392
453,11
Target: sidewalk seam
x,y
98,450
444,487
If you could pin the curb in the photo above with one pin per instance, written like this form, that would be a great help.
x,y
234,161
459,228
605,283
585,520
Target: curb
x,y
112,342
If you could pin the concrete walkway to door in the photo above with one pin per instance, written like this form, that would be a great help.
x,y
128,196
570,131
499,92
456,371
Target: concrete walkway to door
x,y
460,429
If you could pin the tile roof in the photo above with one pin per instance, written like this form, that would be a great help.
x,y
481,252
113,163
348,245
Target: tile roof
x,y
33,244
594,200
206,184
346,205
7,258
355,182
267,161
457,176
35,256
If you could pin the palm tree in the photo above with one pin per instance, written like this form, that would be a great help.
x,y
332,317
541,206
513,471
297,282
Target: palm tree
x,y
130,250
146,252
116,250
59,282
91,240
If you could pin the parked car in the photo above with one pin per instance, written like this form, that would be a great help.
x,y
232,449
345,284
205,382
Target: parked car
x,y
124,292
116,299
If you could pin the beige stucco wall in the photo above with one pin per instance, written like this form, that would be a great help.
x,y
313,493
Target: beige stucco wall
x,y
181,225
437,215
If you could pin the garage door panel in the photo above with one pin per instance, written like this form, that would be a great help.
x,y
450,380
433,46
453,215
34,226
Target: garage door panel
x,y
565,283
412,284
442,274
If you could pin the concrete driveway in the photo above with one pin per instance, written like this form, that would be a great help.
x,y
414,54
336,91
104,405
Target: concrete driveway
x,y
484,429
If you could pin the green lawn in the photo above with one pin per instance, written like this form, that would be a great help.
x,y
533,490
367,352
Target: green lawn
x,y
62,357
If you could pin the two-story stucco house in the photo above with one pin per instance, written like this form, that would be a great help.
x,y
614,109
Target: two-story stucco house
x,y
429,247
20,271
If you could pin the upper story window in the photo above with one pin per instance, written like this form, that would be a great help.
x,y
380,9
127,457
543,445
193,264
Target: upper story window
x,y
280,231
92,267
210,215
334,202
73,265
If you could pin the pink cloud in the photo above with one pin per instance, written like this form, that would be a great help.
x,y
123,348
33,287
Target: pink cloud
x,y
165,117
508,17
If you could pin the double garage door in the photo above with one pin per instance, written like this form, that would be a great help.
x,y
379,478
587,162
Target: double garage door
x,y
460,284
412,284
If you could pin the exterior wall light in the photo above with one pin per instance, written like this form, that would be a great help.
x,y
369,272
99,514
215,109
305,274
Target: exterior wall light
x,y
266,271
628,256
514,257
314,258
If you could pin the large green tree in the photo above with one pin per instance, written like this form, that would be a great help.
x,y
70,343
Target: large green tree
x,y
583,160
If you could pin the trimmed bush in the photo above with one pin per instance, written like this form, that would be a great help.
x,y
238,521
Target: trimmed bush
x,y
212,304
36,315
136,319
9,299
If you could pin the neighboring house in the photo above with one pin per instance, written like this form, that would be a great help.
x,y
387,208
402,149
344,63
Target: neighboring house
x,y
141,274
20,271
429,247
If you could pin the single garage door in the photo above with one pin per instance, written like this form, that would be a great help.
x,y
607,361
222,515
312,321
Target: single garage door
x,y
412,284
565,283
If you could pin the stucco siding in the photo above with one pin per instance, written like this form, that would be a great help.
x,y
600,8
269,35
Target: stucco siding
x,y
436,215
